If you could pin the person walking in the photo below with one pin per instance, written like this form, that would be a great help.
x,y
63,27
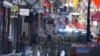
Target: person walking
x,y
49,36
24,42
42,37
56,41
34,43
48,42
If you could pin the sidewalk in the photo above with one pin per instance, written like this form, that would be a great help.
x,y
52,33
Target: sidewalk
x,y
28,53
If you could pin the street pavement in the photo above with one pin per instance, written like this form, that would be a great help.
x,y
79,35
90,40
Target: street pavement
x,y
30,54
96,51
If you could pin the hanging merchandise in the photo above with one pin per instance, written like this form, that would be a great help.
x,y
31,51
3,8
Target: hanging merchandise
x,y
57,3
82,6
96,17
46,4
74,2
97,2
45,14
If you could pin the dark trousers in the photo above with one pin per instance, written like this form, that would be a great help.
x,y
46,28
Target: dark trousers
x,y
23,49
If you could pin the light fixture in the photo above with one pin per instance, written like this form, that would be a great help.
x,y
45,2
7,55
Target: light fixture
x,y
31,2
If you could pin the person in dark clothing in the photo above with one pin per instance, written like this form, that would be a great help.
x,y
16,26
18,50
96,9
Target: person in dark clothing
x,y
23,43
66,20
49,37
81,38
34,43
34,38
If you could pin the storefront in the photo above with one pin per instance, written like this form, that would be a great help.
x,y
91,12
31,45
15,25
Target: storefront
x,y
1,27
95,20
3,30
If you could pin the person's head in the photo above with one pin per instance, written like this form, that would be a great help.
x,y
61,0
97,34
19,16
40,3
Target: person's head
x,y
79,33
74,20
24,33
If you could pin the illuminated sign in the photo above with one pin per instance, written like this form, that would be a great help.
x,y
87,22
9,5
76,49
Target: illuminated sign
x,y
24,12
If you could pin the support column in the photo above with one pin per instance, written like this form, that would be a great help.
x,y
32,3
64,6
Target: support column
x,y
4,33
19,30
18,33
88,22
39,17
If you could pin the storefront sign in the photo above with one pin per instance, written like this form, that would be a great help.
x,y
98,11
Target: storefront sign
x,y
7,4
17,1
95,23
24,12
14,10
40,11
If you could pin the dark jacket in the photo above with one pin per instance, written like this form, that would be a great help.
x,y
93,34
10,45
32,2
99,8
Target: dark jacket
x,y
34,38
49,37
42,38
24,39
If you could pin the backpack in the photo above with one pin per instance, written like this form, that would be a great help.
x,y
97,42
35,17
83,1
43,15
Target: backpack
x,y
34,39
55,39
42,38
49,37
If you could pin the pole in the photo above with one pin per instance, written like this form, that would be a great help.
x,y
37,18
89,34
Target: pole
x,y
4,36
19,26
3,27
8,25
8,30
0,29
68,6
39,15
39,21
88,22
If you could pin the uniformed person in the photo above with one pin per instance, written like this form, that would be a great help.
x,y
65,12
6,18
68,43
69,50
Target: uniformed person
x,y
42,38
55,41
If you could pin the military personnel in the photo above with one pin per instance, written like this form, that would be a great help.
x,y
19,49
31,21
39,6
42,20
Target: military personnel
x,y
55,41
42,38
49,42
61,39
